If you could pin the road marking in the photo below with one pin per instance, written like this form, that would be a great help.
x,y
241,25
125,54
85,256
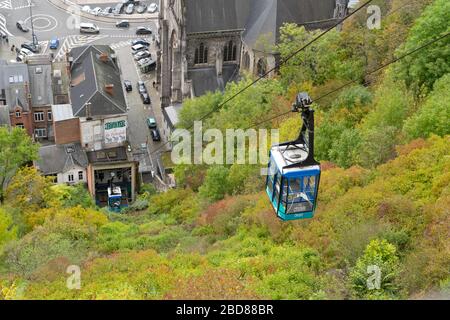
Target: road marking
x,y
71,42
44,46
121,44
3,25
52,23
21,4
6,4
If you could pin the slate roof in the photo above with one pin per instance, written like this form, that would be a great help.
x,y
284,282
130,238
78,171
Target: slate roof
x,y
256,17
15,91
4,116
267,16
56,159
40,73
89,76
205,79
170,113
215,15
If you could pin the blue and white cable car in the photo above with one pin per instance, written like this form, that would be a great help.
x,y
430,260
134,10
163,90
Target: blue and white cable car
x,y
292,182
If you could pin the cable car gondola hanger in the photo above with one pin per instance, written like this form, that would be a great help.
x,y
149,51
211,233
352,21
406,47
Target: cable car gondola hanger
x,y
293,178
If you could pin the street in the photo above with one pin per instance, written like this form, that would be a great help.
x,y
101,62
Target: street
x,y
50,21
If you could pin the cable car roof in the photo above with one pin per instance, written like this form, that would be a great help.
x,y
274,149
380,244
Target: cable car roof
x,y
288,155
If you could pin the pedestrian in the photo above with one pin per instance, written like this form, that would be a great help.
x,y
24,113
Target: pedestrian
x,y
12,48
154,84
7,40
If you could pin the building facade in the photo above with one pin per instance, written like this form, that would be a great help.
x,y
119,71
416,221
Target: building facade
x,y
206,43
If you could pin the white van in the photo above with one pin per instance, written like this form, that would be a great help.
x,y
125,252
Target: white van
x,y
89,28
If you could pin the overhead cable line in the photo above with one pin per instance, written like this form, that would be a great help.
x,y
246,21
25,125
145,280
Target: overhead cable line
x,y
284,61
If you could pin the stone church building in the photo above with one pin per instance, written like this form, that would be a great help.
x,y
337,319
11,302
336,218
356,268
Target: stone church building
x,y
207,43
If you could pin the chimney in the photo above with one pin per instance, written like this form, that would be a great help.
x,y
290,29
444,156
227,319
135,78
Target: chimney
x,y
109,88
104,57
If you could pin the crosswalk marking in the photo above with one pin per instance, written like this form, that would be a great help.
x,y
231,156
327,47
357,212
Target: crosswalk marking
x,y
121,44
44,46
6,4
71,42
3,28
20,4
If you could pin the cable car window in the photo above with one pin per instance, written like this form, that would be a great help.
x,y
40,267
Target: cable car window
x,y
299,195
271,175
277,188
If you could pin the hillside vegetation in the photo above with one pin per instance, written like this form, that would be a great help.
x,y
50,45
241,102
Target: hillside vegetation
x,y
384,144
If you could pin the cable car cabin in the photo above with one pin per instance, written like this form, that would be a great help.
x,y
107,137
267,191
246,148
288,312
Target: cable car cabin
x,y
292,190
115,199
292,183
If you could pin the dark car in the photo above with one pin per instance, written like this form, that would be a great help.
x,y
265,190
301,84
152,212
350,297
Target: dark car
x,y
118,8
155,135
123,24
129,9
143,30
21,26
145,98
128,86
31,46
141,87
141,42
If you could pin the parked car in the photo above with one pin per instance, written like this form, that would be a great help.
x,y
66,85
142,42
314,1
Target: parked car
x,y
123,24
145,98
143,30
141,87
86,9
152,8
130,8
141,8
96,11
118,9
151,123
144,61
143,42
108,10
31,47
155,135
54,43
138,47
23,54
21,26
89,28
26,52
142,54
128,86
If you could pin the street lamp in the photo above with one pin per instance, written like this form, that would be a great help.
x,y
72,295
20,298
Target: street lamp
x,y
33,35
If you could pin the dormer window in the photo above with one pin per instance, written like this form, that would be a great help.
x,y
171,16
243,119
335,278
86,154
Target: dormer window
x,y
18,114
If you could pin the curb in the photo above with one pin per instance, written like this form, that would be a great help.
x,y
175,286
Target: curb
x,y
61,4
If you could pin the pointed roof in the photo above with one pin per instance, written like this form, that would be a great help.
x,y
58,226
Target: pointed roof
x,y
56,159
91,73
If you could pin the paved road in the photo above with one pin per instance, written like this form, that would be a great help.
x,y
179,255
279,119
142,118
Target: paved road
x,y
138,131
50,21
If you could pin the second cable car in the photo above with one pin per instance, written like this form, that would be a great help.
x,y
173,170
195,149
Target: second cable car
x,y
293,178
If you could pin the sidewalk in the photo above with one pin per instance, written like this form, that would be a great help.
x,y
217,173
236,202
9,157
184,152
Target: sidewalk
x,y
5,48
